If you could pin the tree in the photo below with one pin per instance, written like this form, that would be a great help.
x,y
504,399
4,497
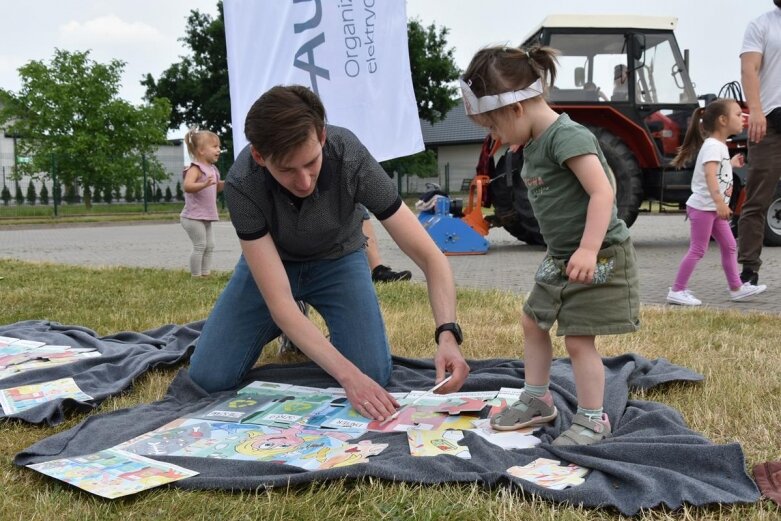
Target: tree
x,y
69,109
5,195
179,193
44,194
197,86
433,70
168,195
31,195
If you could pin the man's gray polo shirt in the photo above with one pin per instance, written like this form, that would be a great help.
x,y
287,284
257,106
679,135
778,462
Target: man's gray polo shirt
x,y
328,223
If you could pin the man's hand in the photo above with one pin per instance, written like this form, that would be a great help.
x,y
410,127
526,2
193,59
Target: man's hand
x,y
581,266
369,398
449,360
757,126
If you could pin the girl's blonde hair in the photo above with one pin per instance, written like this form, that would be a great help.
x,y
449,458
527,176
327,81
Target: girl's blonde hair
x,y
703,123
195,137
494,70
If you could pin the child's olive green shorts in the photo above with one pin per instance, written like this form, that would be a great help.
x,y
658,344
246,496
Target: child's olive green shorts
x,y
610,305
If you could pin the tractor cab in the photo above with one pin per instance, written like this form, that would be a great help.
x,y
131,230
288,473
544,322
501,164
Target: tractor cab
x,y
631,64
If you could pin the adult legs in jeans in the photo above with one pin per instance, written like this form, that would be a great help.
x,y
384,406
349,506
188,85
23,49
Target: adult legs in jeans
x,y
763,175
197,232
701,225
241,324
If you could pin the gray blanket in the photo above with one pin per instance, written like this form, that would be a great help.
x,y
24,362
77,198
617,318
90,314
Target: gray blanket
x,y
124,357
653,458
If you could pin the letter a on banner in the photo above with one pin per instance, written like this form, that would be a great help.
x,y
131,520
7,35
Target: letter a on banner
x,y
353,53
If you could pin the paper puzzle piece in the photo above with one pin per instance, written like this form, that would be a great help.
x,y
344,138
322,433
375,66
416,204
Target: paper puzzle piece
x,y
549,473
518,439
458,405
437,442
412,416
112,473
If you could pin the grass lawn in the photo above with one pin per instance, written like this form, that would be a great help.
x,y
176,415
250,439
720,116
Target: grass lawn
x,y
739,400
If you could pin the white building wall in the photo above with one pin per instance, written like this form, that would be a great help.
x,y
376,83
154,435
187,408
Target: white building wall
x,y
460,161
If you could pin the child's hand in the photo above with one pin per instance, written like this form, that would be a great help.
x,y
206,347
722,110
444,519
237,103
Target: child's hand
x,y
581,266
723,211
738,160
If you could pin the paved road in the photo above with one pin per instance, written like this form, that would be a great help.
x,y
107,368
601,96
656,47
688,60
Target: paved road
x,y
661,241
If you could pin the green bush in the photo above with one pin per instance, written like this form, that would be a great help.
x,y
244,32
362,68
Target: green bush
x,y
179,193
32,197
5,195
44,194
19,196
168,195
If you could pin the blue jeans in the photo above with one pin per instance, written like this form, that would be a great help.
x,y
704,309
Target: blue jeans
x,y
240,324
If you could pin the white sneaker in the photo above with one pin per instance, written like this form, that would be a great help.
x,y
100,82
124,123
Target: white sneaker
x,y
746,290
682,298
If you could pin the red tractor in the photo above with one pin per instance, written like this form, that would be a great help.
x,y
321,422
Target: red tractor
x,y
624,78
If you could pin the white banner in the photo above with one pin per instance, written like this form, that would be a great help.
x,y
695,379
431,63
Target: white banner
x,y
353,53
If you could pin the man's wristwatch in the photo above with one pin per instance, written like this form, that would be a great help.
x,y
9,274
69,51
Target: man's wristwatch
x,y
454,328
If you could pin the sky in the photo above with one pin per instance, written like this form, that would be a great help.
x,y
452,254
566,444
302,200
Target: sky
x,y
145,33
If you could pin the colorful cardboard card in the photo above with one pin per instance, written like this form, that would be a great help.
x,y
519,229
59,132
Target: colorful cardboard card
x,y
112,473
18,399
6,340
338,414
288,410
549,473
21,356
436,443
311,449
236,408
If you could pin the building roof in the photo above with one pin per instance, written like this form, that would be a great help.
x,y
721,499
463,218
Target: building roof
x,y
455,129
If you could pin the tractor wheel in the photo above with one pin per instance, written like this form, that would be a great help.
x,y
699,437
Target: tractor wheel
x,y
510,200
773,220
629,180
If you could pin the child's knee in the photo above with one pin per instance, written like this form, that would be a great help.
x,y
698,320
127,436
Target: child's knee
x,y
579,345
530,326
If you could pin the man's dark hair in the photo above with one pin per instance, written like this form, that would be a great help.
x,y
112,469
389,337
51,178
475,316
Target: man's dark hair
x,y
282,119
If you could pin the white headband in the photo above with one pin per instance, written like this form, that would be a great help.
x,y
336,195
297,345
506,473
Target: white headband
x,y
475,105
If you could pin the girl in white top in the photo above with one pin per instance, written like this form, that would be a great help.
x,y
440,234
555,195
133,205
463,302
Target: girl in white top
x,y
707,207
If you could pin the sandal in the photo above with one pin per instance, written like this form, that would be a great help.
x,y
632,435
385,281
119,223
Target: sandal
x,y
527,411
584,431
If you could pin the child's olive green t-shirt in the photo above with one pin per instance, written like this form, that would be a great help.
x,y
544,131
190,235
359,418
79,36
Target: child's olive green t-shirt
x,y
558,199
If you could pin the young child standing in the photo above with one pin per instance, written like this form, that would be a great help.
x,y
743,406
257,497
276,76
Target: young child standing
x,y
201,185
587,282
707,207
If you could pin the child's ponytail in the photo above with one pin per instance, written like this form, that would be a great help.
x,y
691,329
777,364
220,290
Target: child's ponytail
x,y
543,61
703,123
191,141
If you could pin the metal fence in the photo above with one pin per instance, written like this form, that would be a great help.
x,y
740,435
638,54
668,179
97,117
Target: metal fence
x,y
156,188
